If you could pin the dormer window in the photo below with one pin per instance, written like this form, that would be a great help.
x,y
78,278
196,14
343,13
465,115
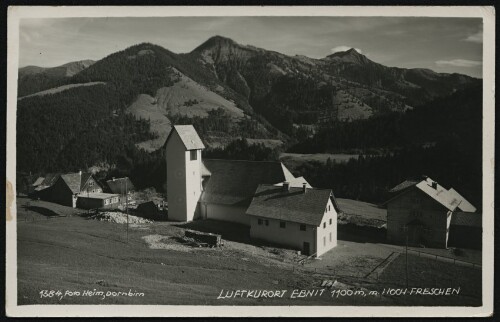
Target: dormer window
x,y
194,154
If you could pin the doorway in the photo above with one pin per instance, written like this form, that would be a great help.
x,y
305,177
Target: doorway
x,y
306,249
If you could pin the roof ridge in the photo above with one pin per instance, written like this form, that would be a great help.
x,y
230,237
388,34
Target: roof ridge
x,y
312,188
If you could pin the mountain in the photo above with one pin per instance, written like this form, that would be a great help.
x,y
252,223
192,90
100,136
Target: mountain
x,y
124,104
33,79
344,85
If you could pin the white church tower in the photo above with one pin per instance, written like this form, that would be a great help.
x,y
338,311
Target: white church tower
x,y
183,153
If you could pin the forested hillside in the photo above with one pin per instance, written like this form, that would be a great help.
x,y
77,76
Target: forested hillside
x,y
441,139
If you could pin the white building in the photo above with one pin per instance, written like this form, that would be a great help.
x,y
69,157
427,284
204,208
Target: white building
x,y
301,218
224,190
183,147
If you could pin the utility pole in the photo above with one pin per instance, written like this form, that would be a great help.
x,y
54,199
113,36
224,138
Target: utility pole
x,y
405,229
126,206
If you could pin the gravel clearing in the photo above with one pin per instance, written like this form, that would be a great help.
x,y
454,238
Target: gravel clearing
x,y
164,242
120,218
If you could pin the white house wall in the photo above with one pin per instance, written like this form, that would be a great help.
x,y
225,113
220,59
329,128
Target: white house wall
x,y
327,230
290,236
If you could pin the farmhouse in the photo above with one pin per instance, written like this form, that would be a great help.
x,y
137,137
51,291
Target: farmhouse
x,y
64,189
224,190
423,211
301,218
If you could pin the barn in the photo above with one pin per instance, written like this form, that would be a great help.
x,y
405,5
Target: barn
x,y
65,188
300,218
422,212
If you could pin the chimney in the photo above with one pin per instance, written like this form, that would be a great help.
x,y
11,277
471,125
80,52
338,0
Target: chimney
x,y
434,184
304,187
286,186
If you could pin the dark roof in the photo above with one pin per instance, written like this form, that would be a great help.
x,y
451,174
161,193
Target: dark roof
x,y
290,205
469,219
234,182
50,179
404,185
189,137
76,181
119,185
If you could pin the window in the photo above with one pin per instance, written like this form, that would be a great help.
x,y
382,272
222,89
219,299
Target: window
x,y
330,237
330,221
324,225
259,221
282,224
328,207
91,183
324,241
194,154
267,222
303,227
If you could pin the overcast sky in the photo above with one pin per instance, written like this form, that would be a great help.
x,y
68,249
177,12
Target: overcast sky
x,y
441,44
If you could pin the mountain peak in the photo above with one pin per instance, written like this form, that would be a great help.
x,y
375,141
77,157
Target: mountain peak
x,y
349,56
216,42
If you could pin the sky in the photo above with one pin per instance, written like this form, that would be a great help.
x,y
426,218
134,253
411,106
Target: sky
x,y
448,45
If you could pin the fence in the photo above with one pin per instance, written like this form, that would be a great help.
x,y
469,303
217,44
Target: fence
x,y
445,259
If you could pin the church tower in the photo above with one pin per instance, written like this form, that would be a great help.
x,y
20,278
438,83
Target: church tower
x,y
183,154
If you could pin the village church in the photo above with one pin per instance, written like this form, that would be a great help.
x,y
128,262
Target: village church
x,y
265,195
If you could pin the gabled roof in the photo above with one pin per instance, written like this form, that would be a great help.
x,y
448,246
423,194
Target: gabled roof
x,y
48,181
234,182
38,181
188,135
76,181
296,183
120,185
464,205
468,219
440,194
292,205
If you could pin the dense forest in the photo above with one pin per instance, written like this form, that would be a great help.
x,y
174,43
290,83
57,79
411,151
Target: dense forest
x,y
441,139
72,132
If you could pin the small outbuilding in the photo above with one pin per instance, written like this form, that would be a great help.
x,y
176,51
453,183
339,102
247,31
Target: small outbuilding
x,y
98,200
147,210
